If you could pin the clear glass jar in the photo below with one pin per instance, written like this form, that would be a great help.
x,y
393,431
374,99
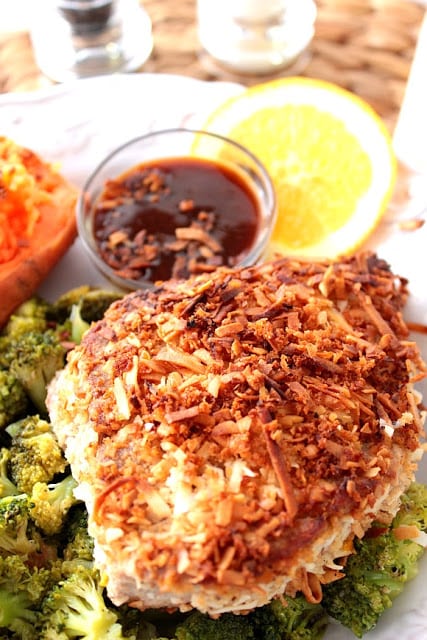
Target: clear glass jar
x,y
255,36
81,38
179,146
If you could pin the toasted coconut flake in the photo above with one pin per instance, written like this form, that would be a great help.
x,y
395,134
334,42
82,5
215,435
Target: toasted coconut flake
x,y
180,358
121,399
312,588
182,414
279,465
196,233
406,532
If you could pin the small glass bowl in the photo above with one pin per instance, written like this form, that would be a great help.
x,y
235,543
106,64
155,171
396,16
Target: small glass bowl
x,y
177,145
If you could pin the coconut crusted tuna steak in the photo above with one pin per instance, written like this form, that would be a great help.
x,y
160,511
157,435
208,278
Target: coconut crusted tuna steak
x,y
233,433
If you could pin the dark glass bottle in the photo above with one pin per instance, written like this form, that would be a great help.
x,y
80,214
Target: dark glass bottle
x,y
81,38
86,16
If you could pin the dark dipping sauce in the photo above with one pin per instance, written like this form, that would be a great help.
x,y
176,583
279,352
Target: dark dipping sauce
x,y
173,218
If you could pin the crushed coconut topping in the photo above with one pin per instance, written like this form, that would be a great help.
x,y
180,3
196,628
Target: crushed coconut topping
x,y
262,405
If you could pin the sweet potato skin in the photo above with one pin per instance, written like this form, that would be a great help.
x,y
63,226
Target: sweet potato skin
x,y
53,232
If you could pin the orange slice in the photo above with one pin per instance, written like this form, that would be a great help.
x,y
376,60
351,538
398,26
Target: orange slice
x,y
328,153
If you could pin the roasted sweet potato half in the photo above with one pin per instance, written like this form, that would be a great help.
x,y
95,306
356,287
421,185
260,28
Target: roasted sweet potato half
x,y
37,222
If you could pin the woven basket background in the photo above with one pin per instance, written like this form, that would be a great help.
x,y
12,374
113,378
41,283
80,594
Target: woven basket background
x,y
364,46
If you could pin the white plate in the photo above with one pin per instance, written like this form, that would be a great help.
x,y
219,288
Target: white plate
x,y
79,123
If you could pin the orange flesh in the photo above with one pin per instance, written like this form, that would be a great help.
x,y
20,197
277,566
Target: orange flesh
x,y
312,203
37,222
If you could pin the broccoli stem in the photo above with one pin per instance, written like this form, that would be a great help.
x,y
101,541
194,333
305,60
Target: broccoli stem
x,y
15,606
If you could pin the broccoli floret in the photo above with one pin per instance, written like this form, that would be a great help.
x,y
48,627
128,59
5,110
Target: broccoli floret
x,y
282,619
75,607
413,509
90,307
15,602
199,625
95,303
35,453
79,544
92,303
134,623
289,618
22,589
16,534
29,316
51,503
78,308
35,357
34,342
13,398
378,570
151,624
7,487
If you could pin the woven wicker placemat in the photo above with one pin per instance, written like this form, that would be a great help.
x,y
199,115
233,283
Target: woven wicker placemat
x,y
365,46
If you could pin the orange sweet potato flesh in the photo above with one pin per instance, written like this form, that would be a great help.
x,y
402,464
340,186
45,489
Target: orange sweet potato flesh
x,y
37,223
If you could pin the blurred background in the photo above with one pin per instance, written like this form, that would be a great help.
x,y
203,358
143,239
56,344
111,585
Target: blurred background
x,y
366,46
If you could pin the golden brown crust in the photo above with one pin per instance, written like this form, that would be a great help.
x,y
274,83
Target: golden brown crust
x,y
242,417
